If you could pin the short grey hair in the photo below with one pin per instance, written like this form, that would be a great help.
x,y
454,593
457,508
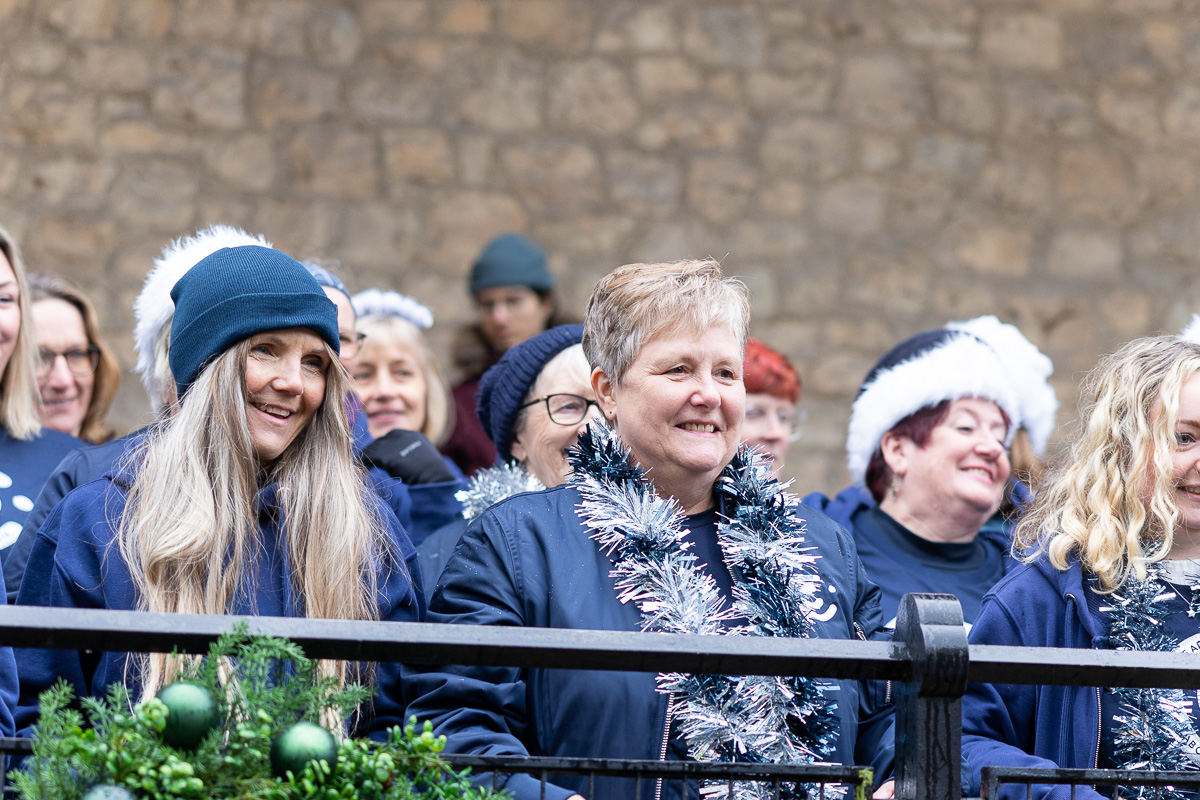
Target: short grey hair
x,y
634,303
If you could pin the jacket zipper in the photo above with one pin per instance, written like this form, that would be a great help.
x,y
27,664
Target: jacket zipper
x,y
887,687
1099,729
662,753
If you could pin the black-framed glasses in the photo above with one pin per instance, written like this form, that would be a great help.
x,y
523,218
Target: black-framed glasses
x,y
565,409
348,345
82,361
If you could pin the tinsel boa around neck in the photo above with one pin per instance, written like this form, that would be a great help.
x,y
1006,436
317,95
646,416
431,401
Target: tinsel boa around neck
x,y
1152,726
723,718
489,486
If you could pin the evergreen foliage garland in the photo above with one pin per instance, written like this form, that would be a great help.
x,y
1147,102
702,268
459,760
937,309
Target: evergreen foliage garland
x,y
1152,726
766,719
262,687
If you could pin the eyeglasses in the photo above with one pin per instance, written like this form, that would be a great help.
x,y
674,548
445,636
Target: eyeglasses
x,y
348,345
565,409
82,361
790,419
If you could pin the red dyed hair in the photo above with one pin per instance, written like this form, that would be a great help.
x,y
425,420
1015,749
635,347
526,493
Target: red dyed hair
x,y
768,372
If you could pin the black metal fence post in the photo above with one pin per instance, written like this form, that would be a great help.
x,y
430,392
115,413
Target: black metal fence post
x,y
929,707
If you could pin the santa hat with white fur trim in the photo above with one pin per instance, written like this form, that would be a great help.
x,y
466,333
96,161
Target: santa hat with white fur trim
x,y
154,309
1029,372
922,371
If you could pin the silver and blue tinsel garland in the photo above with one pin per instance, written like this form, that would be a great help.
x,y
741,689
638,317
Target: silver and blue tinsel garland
x,y
489,486
1152,726
765,719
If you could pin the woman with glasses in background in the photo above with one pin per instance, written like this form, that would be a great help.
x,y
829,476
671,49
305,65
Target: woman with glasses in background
x,y
77,374
772,392
533,404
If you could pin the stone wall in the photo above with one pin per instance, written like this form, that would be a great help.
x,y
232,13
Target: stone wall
x,y
872,168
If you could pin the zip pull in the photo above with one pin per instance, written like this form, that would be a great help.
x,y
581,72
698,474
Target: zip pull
x,y
662,753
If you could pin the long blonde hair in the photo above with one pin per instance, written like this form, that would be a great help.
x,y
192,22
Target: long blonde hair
x,y
389,330
188,531
19,398
1111,504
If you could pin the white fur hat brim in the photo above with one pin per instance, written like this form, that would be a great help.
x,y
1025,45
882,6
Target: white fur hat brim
x,y
1029,372
961,366
154,309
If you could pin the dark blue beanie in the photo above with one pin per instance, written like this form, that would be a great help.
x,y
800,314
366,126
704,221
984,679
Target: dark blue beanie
x,y
237,292
511,260
502,388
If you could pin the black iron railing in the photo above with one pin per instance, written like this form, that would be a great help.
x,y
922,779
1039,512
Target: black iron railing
x,y
928,662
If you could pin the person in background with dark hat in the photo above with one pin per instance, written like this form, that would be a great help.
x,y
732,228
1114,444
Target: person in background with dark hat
x,y
533,404
772,392
246,500
514,298
928,453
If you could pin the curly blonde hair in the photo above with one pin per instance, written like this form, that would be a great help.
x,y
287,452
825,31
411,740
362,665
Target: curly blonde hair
x,y
1110,504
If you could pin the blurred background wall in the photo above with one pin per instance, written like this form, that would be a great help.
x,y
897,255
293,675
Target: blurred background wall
x,y
871,168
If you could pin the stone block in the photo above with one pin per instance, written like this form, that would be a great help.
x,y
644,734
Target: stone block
x,y
1085,254
49,113
387,16
383,96
880,90
246,162
953,158
69,182
421,155
156,195
38,58
771,92
114,68
851,207
806,146
965,103
695,125
474,158
144,19
78,246
334,160
282,91
460,223
996,250
783,197
334,36
675,239
10,8
1096,183
665,77
727,36
554,180
208,91
278,26
592,96
1164,41
503,94
135,136
559,24
878,152
1019,180
837,373
636,28
753,241
379,234
727,86
1032,109
296,226
918,206
803,55
83,19
642,184
720,187
1165,179
594,235
1022,40
902,283
465,17
1130,113
1128,314
207,21
1182,114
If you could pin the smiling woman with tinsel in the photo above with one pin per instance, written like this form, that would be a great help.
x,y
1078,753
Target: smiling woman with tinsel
x,y
1112,546
664,526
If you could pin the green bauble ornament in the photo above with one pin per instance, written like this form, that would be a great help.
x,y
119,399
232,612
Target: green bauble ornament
x,y
191,714
300,744
108,791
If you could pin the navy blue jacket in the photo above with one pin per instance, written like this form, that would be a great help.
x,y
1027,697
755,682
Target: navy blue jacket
x,y
1035,726
528,561
8,685
420,509
25,464
78,548
900,562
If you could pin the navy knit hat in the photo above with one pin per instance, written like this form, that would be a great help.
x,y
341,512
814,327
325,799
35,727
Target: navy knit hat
x,y
511,260
324,277
502,388
237,292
